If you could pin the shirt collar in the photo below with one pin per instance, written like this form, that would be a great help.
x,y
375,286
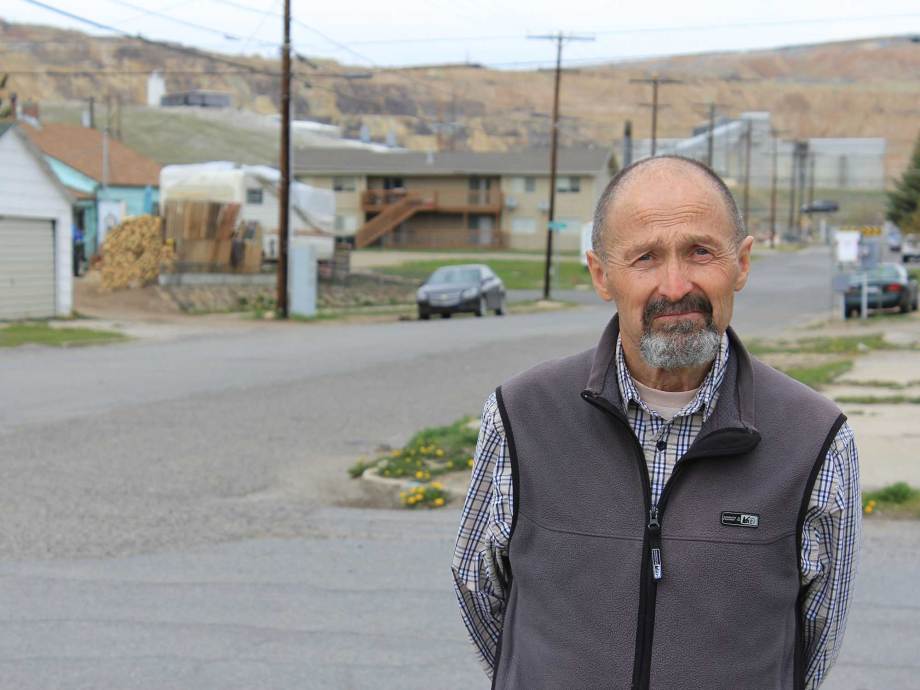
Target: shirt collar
x,y
706,397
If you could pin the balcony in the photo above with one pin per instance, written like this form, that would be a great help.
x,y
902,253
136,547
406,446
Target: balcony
x,y
435,200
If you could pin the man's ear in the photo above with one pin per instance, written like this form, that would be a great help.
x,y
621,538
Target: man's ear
x,y
598,271
744,262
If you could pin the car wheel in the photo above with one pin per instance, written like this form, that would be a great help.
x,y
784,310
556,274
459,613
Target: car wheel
x,y
481,309
904,307
423,315
500,309
446,315
851,313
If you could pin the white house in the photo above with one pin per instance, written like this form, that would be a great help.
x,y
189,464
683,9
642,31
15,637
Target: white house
x,y
36,248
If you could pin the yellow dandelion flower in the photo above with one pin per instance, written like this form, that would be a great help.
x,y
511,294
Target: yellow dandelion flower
x,y
439,502
419,474
395,454
469,463
437,485
439,452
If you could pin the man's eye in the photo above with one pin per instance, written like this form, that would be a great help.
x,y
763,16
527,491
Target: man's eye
x,y
701,251
645,257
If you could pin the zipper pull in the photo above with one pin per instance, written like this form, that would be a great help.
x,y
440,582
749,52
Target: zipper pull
x,y
654,527
656,563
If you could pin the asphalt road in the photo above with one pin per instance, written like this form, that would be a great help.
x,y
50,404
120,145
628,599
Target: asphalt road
x,y
170,512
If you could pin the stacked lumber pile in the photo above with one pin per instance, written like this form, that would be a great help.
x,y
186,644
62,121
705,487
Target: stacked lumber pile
x,y
133,253
209,238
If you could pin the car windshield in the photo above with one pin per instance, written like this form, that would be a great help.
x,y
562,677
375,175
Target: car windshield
x,y
454,276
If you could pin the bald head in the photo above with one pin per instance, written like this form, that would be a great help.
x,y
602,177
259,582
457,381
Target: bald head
x,y
653,177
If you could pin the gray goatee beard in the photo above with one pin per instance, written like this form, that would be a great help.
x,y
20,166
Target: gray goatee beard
x,y
684,343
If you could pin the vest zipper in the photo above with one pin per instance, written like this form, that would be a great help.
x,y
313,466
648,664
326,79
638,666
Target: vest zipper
x,y
652,561
646,620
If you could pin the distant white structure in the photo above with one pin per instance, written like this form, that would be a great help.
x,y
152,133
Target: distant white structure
x,y
156,89
842,163
255,189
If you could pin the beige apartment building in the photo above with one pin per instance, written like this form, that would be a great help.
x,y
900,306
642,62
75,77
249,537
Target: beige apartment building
x,y
403,199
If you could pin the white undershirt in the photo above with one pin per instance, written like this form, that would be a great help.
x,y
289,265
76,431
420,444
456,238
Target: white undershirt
x,y
665,403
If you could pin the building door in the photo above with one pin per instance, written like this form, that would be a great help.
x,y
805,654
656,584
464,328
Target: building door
x,y
26,268
485,231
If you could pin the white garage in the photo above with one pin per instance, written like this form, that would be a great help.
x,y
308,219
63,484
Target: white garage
x,y
35,234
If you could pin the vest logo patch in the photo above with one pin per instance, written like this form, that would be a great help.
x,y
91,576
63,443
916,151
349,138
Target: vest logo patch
x,y
740,519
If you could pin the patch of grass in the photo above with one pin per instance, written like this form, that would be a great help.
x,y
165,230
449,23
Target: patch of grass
x,y
429,453
824,345
42,334
878,400
894,500
914,273
819,374
875,383
516,274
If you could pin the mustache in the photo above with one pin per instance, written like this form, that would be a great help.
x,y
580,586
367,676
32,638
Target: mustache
x,y
663,307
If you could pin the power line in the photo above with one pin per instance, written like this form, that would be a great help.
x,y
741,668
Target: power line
x,y
149,41
200,27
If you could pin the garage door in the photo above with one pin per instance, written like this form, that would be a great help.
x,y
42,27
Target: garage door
x,y
26,268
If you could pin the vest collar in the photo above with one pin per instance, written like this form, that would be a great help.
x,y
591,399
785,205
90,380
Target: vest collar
x,y
729,430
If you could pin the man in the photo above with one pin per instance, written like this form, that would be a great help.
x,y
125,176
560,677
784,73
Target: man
x,y
662,511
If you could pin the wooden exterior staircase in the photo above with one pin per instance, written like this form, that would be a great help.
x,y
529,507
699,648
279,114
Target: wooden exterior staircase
x,y
403,207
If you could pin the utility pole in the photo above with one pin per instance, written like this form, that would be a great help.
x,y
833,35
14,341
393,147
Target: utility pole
x,y
711,108
773,176
92,112
811,178
711,133
794,158
627,144
655,81
105,159
747,171
285,165
559,38
802,151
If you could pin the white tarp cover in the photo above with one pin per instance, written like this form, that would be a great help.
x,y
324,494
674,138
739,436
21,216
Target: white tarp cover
x,y
223,181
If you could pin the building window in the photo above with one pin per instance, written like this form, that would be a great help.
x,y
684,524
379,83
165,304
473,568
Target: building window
x,y
568,184
253,196
530,184
344,184
346,223
523,226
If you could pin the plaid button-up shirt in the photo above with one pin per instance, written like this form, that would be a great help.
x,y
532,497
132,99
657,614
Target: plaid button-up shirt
x,y
830,533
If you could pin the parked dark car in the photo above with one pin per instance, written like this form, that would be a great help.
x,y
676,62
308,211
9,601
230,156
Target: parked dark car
x,y
469,288
889,286
910,247
894,239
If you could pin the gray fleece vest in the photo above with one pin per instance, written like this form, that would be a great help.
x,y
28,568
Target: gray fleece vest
x,y
700,591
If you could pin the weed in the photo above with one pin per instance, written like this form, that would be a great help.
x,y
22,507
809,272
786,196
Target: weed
x,y
819,374
895,500
42,334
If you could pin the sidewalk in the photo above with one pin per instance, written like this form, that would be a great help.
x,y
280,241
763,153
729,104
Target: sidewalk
x,y
887,435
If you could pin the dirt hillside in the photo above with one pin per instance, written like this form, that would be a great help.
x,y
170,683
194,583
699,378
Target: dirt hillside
x,y
862,88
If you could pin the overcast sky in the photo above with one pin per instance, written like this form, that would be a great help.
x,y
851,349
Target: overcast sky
x,y
371,32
